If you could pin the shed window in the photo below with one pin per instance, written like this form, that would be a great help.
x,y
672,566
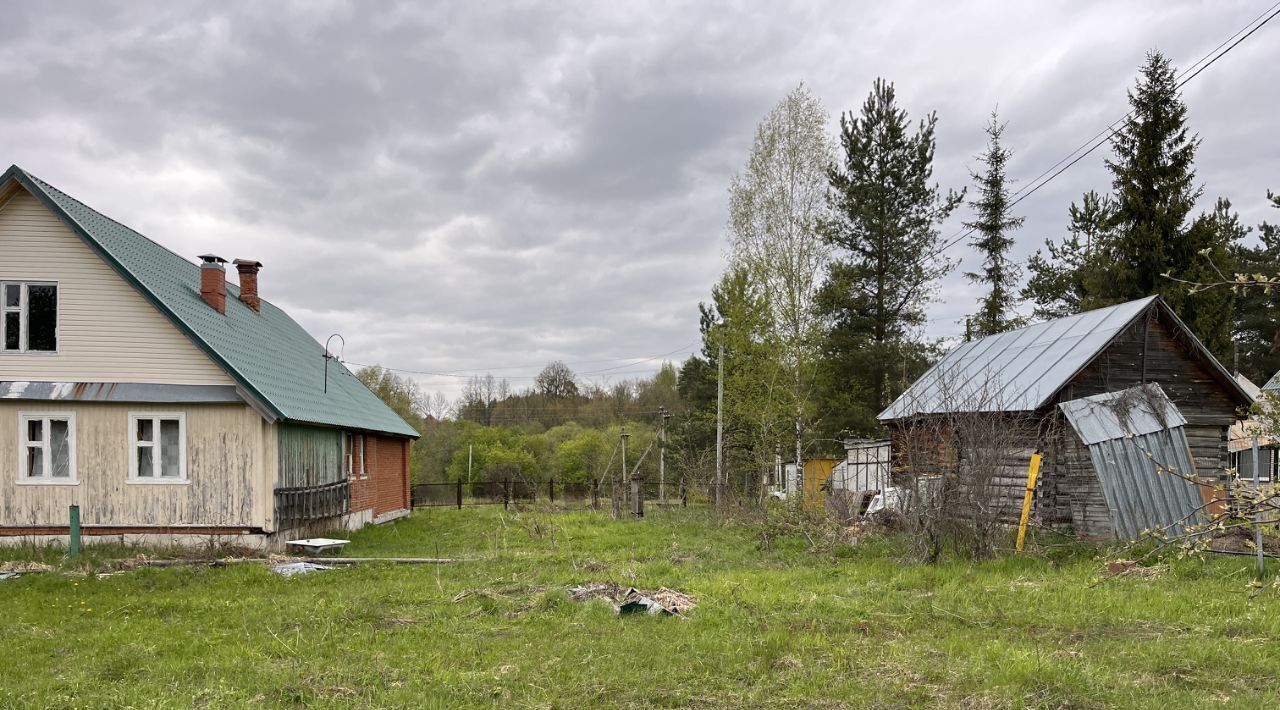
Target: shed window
x,y
46,448
157,447
28,317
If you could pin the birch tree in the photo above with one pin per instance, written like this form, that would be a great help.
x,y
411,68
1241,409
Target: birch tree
x,y
776,207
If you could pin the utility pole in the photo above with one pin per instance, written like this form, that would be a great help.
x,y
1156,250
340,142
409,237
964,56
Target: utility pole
x,y
468,464
626,475
719,424
662,456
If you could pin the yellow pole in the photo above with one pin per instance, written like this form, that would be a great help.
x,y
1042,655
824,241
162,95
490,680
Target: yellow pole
x,y
1032,472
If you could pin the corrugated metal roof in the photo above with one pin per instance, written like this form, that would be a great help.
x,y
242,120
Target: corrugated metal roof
x,y
1137,410
273,357
1138,446
118,392
1273,384
1018,370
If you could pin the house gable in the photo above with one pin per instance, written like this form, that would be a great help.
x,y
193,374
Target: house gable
x,y
1156,348
107,331
278,367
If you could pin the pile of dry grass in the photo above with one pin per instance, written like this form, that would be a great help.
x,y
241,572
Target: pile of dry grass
x,y
674,601
24,567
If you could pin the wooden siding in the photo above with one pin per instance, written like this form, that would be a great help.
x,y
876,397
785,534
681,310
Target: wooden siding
x,y
1068,493
107,332
1148,352
231,467
309,456
1145,354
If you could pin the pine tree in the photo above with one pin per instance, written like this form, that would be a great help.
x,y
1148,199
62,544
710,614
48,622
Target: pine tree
x,y
1061,280
992,225
886,213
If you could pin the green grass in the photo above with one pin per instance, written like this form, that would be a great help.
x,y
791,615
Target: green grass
x,y
779,627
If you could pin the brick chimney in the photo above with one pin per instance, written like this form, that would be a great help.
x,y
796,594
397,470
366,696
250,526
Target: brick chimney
x,y
248,269
213,282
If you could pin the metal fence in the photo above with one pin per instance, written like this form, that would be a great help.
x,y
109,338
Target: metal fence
x,y
592,494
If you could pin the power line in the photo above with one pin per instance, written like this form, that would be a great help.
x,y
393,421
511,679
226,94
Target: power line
x,y
681,350
507,378
486,370
467,374
1110,130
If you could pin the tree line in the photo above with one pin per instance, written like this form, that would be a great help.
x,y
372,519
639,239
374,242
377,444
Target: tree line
x,y
835,251
558,428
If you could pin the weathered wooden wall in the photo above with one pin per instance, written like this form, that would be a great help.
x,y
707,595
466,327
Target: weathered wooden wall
x,y
309,455
231,466
1069,494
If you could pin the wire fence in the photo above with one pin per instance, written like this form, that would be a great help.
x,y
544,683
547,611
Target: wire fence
x,y
596,493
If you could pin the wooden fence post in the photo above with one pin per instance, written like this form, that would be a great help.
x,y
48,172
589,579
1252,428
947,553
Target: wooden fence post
x,y
551,490
595,494
459,494
684,494
506,493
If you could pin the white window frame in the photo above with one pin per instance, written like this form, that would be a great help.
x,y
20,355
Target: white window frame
x,y
24,315
157,480
348,454
47,479
364,467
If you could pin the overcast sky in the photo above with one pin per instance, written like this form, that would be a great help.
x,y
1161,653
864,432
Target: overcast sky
x,y
474,186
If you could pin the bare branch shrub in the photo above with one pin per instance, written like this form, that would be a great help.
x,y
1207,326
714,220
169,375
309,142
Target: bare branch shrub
x,y
961,465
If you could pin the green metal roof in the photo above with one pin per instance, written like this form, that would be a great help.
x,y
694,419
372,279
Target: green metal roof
x,y
279,365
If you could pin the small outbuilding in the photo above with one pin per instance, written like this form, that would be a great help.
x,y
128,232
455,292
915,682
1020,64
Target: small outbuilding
x,y
1128,371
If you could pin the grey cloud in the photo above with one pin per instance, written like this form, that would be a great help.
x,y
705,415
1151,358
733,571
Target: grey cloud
x,y
455,186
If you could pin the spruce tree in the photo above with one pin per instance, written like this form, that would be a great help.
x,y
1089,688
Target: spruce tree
x,y
993,222
1257,320
1153,183
1146,245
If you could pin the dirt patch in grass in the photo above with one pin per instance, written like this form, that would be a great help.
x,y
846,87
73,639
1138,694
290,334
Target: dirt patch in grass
x,y
1241,539
1135,570
392,622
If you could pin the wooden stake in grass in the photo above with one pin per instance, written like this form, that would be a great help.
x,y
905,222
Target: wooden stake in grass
x,y
1032,472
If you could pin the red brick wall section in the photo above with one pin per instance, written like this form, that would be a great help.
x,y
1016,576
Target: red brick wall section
x,y
386,489
390,493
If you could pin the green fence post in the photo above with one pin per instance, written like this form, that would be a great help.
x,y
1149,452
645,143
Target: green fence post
x,y
73,545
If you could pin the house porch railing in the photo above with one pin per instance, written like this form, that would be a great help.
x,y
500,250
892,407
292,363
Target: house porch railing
x,y
306,503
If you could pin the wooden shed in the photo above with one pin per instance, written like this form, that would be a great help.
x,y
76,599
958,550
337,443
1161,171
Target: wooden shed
x,y
1028,373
